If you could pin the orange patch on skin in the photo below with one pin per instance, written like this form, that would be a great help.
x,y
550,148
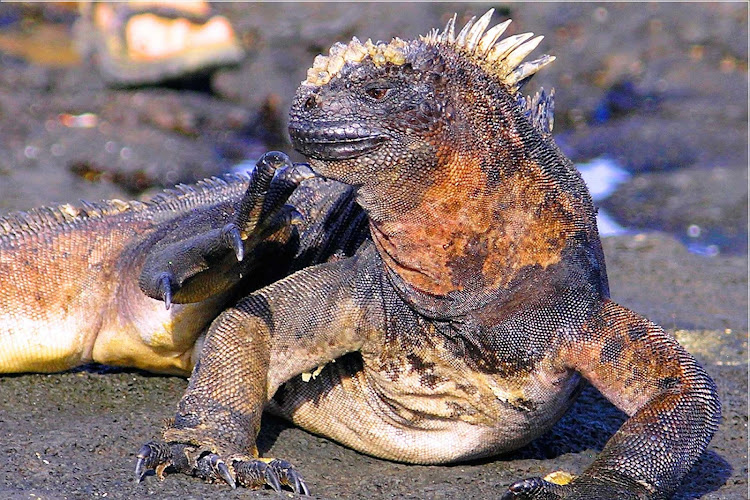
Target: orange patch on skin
x,y
632,379
463,235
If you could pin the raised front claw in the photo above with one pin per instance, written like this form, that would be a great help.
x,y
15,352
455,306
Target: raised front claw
x,y
262,190
272,181
200,259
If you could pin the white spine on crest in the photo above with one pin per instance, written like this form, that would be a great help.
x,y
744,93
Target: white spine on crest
x,y
506,56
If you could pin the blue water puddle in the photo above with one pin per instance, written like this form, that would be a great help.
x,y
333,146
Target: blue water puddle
x,y
602,176
244,167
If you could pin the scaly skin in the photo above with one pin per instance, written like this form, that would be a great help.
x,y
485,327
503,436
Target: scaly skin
x,y
70,275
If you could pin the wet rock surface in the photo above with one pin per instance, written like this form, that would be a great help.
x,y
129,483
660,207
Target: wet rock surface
x,y
662,88
705,207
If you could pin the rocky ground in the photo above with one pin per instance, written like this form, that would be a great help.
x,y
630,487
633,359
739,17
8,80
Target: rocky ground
x,y
661,88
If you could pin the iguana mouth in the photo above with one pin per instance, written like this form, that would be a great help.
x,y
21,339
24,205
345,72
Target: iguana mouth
x,y
334,143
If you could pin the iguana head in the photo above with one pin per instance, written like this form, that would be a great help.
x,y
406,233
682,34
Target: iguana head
x,y
370,113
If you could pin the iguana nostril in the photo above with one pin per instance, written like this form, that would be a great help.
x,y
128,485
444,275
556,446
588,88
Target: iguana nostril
x,y
310,102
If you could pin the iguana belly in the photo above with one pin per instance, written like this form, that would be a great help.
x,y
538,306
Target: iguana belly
x,y
406,418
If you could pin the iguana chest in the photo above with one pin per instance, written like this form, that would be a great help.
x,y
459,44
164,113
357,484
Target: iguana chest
x,y
429,378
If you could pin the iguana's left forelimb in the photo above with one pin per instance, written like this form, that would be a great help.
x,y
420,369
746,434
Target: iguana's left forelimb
x,y
672,402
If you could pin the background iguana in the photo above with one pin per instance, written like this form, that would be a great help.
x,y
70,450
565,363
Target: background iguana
x,y
460,329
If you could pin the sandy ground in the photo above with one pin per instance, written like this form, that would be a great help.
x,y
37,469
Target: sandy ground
x,y
682,133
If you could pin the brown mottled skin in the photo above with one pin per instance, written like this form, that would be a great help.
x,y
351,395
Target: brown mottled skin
x,y
461,327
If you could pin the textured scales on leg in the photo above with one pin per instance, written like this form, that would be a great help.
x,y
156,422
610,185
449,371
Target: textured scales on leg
x,y
463,326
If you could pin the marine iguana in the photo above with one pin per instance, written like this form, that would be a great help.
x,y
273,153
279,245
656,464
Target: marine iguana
x,y
462,326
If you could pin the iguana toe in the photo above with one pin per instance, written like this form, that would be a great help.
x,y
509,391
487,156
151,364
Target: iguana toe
x,y
211,466
153,455
289,476
256,473
531,488
274,473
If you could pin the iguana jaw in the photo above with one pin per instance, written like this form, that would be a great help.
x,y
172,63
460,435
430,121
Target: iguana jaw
x,y
338,142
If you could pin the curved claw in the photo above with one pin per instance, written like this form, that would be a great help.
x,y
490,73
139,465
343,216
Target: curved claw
x,y
233,238
272,479
220,469
140,466
165,286
289,476
152,455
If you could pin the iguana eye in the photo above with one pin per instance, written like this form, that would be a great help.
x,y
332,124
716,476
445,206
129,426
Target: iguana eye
x,y
377,93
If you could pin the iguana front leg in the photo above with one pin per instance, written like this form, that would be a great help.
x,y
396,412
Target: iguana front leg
x,y
193,263
287,328
673,406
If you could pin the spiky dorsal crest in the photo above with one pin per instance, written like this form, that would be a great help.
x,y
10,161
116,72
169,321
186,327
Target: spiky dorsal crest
x,y
18,226
502,59
539,109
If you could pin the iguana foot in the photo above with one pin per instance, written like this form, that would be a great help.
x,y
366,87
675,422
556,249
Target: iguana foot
x,y
254,473
191,266
532,488
584,487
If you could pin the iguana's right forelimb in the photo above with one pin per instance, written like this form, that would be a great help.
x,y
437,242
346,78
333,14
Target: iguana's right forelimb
x,y
292,326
